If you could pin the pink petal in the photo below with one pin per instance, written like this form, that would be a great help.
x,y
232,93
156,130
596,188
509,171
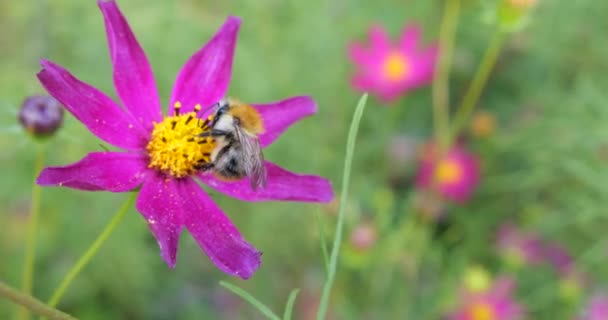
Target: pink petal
x,y
161,203
110,171
282,185
379,39
410,37
133,76
363,83
205,77
359,55
95,110
216,234
278,116
424,69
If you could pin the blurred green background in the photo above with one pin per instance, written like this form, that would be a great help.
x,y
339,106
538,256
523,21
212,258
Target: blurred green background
x,y
544,167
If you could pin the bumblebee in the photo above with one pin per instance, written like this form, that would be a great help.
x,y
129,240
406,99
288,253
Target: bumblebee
x,y
235,127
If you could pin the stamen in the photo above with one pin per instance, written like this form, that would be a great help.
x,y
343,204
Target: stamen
x,y
178,150
176,106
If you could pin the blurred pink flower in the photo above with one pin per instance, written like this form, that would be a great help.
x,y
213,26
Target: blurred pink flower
x,y
454,176
494,303
170,198
390,69
559,257
518,246
597,309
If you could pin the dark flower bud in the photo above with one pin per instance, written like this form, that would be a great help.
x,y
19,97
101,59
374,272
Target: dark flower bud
x,y
41,116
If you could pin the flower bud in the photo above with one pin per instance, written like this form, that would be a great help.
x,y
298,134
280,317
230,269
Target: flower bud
x,y
41,116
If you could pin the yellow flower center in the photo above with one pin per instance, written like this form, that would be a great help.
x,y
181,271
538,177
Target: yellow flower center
x,y
176,146
395,66
481,311
447,172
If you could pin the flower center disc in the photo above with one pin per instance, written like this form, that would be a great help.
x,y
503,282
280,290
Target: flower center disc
x,y
176,146
395,67
481,311
447,172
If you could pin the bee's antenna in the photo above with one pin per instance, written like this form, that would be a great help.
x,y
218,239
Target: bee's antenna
x,y
216,105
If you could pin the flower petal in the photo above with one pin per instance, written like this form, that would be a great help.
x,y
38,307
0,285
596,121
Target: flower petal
x,y
133,76
278,116
205,77
161,204
95,110
410,37
110,171
282,185
216,234
379,40
359,55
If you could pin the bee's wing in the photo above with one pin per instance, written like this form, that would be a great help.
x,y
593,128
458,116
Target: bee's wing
x,y
253,158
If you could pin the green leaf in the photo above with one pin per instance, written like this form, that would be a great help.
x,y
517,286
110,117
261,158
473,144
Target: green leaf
x,y
289,305
249,298
348,161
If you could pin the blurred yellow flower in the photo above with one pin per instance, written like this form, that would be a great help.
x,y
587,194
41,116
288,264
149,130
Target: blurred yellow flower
x,y
483,124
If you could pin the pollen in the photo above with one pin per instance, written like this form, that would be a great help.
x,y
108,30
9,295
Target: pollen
x,y
176,147
448,171
395,67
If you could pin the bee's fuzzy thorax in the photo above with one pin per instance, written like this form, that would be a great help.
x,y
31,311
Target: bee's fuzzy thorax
x,y
250,118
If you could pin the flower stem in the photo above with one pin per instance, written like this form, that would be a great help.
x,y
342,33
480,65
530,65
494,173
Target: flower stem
x,y
479,81
30,250
90,253
441,88
32,304
333,262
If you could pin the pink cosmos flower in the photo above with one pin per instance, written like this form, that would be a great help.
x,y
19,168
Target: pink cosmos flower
x,y
494,303
160,155
597,309
454,176
518,246
391,69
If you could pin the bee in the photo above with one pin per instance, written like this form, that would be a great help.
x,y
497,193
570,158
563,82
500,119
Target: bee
x,y
237,152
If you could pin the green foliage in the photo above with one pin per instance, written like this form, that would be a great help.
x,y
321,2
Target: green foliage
x,y
544,168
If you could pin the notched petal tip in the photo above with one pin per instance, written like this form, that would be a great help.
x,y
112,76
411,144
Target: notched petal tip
x,y
42,179
249,270
327,195
234,20
205,77
170,261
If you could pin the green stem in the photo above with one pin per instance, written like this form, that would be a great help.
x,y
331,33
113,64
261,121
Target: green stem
x,y
323,241
441,88
30,251
333,262
90,253
479,81
32,304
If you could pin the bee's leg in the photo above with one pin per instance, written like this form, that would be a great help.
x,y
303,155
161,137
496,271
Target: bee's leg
x,y
214,133
204,166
